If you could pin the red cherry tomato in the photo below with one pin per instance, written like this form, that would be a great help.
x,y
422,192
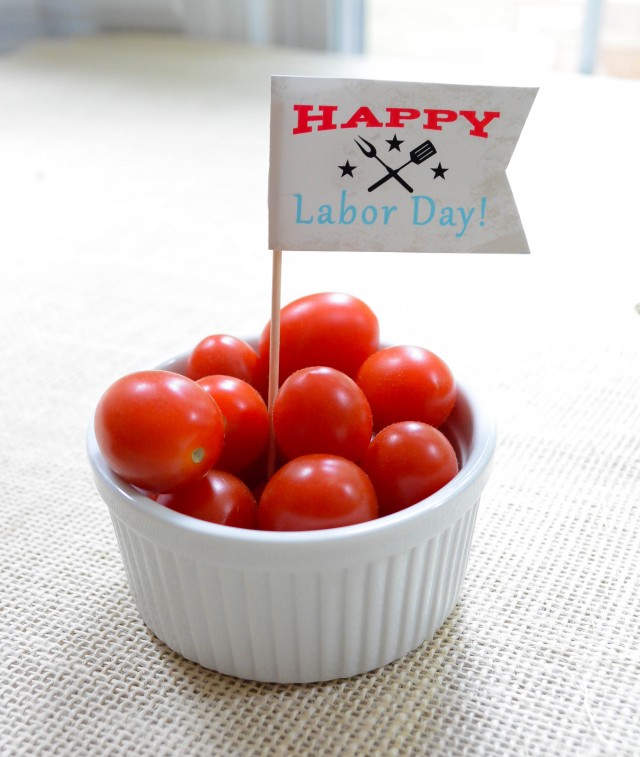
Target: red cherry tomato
x,y
314,492
246,433
222,354
261,377
322,410
159,430
332,329
407,384
408,462
219,497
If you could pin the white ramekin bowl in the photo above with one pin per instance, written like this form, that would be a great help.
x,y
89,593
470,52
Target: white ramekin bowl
x,y
296,607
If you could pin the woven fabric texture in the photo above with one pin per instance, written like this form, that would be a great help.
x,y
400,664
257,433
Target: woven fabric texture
x,y
122,246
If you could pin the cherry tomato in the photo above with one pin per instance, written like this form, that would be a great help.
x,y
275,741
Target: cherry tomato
x,y
314,492
219,497
246,433
222,354
408,462
331,329
261,377
322,410
407,383
159,430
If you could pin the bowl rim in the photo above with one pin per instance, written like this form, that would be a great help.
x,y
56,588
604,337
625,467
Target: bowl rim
x,y
472,476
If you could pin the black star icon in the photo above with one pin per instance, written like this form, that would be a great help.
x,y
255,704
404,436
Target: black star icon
x,y
439,171
347,169
394,144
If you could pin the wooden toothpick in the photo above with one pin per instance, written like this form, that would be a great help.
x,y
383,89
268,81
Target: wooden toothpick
x,y
274,354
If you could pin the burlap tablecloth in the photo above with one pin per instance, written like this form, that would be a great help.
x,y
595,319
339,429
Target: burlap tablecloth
x,y
123,243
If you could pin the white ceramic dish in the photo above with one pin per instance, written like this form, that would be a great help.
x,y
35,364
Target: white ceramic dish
x,y
302,606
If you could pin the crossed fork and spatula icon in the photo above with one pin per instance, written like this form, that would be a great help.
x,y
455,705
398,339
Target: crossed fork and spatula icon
x,y
418,155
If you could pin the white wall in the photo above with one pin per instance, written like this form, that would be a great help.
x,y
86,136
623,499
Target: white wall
x,y
314,24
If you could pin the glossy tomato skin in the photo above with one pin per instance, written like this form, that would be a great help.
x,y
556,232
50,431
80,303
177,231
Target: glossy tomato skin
x,y
222,354
408,462
246,421
322,410
406,383
158,430
315,492
219,497
331,329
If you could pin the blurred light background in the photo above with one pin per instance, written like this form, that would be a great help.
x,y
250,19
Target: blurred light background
x,y
586,36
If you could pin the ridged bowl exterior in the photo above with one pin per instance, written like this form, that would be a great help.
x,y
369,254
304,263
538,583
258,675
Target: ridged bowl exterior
x,y
298,607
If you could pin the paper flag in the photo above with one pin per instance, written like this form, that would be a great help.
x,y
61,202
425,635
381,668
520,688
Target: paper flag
x,y
396,166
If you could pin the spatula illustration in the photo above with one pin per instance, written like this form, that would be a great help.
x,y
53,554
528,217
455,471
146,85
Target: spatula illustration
x,y
418,155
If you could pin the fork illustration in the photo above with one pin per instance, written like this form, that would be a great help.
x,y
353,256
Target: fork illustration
x,y
370,152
